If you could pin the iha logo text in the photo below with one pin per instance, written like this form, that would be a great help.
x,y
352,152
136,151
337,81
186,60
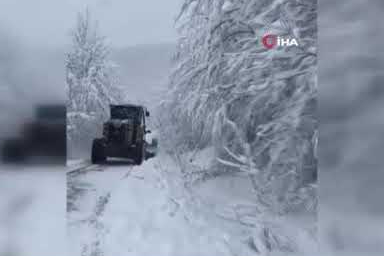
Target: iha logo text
x,y
271,41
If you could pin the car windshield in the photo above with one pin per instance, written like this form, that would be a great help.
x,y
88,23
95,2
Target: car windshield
x,y
124,112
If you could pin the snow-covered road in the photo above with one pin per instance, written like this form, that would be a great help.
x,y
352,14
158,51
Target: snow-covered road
x,y
121,210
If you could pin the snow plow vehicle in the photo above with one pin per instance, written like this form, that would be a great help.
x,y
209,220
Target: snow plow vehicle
x,y
123,135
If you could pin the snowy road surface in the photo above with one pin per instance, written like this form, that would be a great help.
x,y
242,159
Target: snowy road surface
x,y
121,210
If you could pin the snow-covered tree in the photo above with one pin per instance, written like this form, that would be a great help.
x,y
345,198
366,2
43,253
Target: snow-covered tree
x,y
91,83
255,106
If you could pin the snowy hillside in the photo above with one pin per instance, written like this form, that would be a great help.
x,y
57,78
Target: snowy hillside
x,y
255,109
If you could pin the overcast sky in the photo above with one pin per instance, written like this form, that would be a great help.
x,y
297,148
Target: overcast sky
x,y
124,22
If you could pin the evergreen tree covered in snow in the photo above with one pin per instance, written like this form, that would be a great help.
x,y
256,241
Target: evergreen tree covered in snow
x,y
255,106
91,84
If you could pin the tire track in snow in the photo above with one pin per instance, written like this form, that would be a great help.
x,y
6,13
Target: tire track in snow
x,y
75,187
95,248
82,183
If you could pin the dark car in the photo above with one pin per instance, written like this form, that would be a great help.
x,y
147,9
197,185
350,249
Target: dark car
x,y
123,135
44,136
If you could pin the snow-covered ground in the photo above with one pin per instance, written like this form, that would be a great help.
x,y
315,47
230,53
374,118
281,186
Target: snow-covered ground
x,y
32,211
124,210
119,210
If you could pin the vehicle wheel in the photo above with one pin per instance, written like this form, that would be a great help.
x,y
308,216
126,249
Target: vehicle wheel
x,y
98,152
140,154
13,152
